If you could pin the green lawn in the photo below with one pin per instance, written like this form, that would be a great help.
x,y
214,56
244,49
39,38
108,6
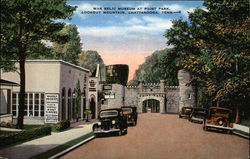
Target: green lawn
x,y
245,122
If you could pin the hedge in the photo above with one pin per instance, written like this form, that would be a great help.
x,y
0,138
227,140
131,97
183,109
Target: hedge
x,y
24,135
117,74
62,125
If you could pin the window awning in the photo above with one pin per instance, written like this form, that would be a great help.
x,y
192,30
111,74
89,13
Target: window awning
x,y
8,83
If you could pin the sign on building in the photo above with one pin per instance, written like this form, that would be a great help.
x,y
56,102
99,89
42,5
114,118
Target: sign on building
x,y
109,95
51,108
107,87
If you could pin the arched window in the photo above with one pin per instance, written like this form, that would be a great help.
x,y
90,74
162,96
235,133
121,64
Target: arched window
x,y
69,104
74,104
63,113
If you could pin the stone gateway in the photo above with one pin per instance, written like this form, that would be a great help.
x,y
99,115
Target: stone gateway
x,y
152,97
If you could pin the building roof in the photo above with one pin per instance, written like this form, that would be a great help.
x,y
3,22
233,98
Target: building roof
x,y
61,61
8,83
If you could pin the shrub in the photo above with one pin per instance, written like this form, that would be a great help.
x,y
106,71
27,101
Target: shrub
x,y
62,125
117,74
24,135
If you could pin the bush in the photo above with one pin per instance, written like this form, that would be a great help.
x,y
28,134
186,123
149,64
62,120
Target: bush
x,y
62,125
24,135
117,74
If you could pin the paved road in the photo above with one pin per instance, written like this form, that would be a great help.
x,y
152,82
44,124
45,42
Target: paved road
x,y
164,136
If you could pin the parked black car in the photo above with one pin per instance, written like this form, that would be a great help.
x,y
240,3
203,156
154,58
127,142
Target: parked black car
x,y
131,113
111,120
185,112
198,115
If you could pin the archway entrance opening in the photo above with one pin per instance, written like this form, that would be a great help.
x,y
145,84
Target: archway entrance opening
x,y
151,106
92,107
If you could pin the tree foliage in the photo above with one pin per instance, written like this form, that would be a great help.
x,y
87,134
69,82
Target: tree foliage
x,y
89,59
70,50
214,46
161,65
25,23
117,74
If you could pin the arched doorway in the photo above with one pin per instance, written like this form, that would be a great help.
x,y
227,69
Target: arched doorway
x,y
63,113
151,106
92,107
69,104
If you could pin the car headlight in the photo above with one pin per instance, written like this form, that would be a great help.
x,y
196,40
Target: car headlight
x,y
113,121
99,123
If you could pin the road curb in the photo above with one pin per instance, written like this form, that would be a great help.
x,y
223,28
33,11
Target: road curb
x,y
242,135
72,148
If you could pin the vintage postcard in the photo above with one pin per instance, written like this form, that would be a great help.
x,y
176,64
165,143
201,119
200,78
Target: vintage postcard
x,y
118,79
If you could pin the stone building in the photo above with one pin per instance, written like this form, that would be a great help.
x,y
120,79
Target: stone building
x,y
152,97
50,91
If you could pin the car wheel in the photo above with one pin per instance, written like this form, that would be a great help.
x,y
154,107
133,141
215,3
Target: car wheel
x,y
229,132
120,133
125,132
205,128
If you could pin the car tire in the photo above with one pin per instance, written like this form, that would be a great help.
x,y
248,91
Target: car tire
x,y
205,128
125,132
120,133
229,132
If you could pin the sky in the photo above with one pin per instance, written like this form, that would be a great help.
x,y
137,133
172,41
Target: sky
x,y
127,38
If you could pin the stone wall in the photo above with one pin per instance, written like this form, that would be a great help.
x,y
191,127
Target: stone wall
x,y
118,100
131,96
172,99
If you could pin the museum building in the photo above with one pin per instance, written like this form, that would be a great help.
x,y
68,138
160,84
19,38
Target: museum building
x,y
51,91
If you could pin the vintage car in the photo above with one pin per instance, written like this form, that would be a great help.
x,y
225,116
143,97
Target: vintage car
x,y
185,112
219,118
198,115
131,113
111,120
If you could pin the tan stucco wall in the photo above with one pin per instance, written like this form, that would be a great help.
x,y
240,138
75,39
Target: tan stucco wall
x,y
40,77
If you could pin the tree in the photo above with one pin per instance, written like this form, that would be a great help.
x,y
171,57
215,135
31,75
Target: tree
x,y
117,74
161,65
78,101
23,24
70,50
89,59
214,46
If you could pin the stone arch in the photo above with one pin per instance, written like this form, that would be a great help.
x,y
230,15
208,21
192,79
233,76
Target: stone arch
x,y
151,106
160,98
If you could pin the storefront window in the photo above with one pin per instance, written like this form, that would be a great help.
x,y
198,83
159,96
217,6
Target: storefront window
x,y
34,104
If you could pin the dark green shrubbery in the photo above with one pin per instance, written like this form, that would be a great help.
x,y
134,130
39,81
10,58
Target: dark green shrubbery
x,y
62,125
117,74
24,135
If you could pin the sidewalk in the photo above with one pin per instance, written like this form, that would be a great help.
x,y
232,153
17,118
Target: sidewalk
x,y
34,147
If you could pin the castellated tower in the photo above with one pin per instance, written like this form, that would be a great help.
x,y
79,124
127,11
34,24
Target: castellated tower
x,y
187,95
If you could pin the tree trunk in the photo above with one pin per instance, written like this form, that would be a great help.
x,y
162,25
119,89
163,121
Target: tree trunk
x,y
22,90
237,118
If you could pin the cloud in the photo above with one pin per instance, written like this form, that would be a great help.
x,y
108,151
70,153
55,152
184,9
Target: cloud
x,y
132,26
85,7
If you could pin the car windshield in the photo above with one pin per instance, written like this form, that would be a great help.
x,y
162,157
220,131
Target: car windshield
x,y
109,113
127,110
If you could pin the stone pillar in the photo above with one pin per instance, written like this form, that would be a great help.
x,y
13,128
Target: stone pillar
x,y
162,85
186,93
162,106
140,86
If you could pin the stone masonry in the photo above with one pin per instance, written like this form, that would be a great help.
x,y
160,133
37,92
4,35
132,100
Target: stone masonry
x,y
171,98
